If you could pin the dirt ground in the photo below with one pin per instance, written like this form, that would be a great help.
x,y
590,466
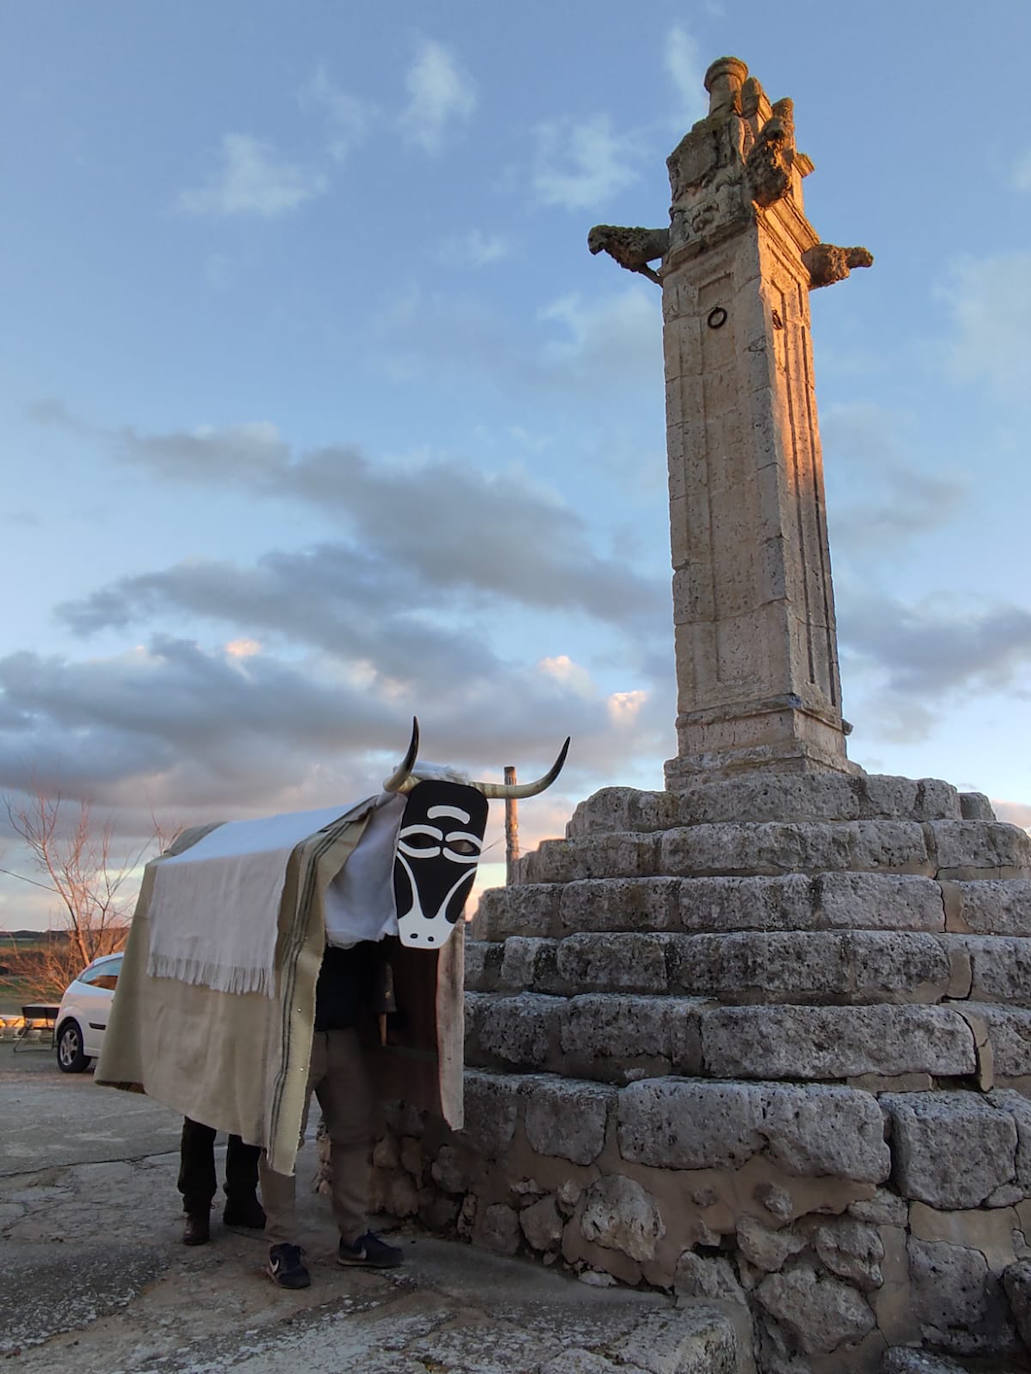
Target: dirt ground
x,y
94,1277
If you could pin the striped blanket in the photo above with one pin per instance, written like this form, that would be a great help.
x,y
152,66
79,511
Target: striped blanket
x,y
239,1061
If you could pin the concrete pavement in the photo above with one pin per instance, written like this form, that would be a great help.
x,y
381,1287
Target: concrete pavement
x,y
94,1277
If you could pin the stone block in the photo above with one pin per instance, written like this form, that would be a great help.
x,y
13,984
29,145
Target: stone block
x,y
975,806
622,808
528,965
996,906
621,855
542,1224
497,1229
491,1111
1000,966
1009,1030
518,1032
949,1149
883,1209
768,1249
949,1285
684,1124
834,1042
817,797
874,901
773,848
750,903
520,909
619,1214
824,1130
618,904
1016,1282
812,966
699,1276
698,1339
618,1037
1016,1106
566,1118
482,965
819,1313
980,849
613,963
851,1250
903,1359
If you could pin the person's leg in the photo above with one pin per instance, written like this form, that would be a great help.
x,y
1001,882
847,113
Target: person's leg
x,y
196,1179
345,1096
242,1206
278,1193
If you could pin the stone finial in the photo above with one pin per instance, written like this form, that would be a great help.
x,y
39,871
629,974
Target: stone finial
x,y
723,81
827,263
631,248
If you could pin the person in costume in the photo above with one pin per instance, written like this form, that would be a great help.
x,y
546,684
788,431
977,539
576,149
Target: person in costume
x,y
198,1183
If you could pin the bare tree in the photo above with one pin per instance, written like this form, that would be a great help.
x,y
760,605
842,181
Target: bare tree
x,y
75,860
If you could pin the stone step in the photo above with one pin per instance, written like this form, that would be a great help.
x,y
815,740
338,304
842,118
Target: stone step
x,y
777,797
811,967
621,1037
842,901
944,849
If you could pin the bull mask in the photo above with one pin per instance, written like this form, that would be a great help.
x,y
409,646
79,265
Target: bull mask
x,y
439,844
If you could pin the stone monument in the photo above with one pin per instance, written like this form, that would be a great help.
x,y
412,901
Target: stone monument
x,y
763,1038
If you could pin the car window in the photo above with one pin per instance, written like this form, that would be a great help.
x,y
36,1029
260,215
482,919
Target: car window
x,y
102,975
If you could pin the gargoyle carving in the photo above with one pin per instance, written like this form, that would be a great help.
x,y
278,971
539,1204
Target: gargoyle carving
x,y
769,163
633,249
827,263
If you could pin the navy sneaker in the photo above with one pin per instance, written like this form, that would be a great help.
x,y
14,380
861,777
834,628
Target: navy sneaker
x,y
370,1251
286,1268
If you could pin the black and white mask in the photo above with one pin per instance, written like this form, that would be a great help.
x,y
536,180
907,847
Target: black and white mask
x,y
438,847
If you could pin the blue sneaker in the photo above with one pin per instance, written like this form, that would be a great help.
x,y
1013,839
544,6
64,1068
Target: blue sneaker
x,y
370,1251
286,1268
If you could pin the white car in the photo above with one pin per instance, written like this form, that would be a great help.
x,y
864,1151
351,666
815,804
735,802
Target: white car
x,y
85,1007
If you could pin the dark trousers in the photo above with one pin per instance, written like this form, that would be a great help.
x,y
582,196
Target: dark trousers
x,y
197,1181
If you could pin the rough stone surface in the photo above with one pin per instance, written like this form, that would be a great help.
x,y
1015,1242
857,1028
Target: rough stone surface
x,y
768,1250
515,1031
851,1250
996,908
834,1042
697,1340
1016,1281
698,1276
541,1224
819,1313
902,1360
491,1107
980,848
497,1229
950,1298
950,1149
620,1215
774,847
567,1119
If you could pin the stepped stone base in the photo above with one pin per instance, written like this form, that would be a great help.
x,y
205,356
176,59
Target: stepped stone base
x,y
766,1042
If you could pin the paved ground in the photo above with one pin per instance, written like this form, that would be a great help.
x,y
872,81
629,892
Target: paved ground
x,y
93,1276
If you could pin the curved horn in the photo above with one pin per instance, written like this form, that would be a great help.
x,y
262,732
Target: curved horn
x,y
397,780
525,789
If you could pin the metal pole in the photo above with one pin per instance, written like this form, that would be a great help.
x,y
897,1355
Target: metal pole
x,y
511,826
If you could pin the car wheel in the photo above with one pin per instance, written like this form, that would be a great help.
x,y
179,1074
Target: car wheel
x,y
70,1056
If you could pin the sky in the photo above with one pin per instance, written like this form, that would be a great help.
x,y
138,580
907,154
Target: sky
x,y
316,414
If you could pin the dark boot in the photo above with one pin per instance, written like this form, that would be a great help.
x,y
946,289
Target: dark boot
x,y
196,1230
244,1211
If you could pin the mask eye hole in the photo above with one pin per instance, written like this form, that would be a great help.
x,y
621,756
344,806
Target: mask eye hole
x,y
464,847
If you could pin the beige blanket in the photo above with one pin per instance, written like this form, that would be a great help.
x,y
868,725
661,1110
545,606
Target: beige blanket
x,y
239,1061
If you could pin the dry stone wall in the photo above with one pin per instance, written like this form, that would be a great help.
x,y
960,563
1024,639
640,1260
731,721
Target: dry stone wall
x,y
781,1065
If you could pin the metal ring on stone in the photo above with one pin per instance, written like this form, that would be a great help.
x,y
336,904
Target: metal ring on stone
x,y
717,317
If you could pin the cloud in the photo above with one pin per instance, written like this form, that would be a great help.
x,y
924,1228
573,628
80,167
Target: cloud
x,y
349,117
1021,178
1016,813
684,65
877,497
989,300
612,340
580,164
937,647
474,249
253,180
439,93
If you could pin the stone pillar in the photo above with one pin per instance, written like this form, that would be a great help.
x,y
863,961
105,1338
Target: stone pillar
x,y
756,648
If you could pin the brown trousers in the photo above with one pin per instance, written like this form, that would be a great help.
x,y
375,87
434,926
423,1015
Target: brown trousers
x,y
338,1078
